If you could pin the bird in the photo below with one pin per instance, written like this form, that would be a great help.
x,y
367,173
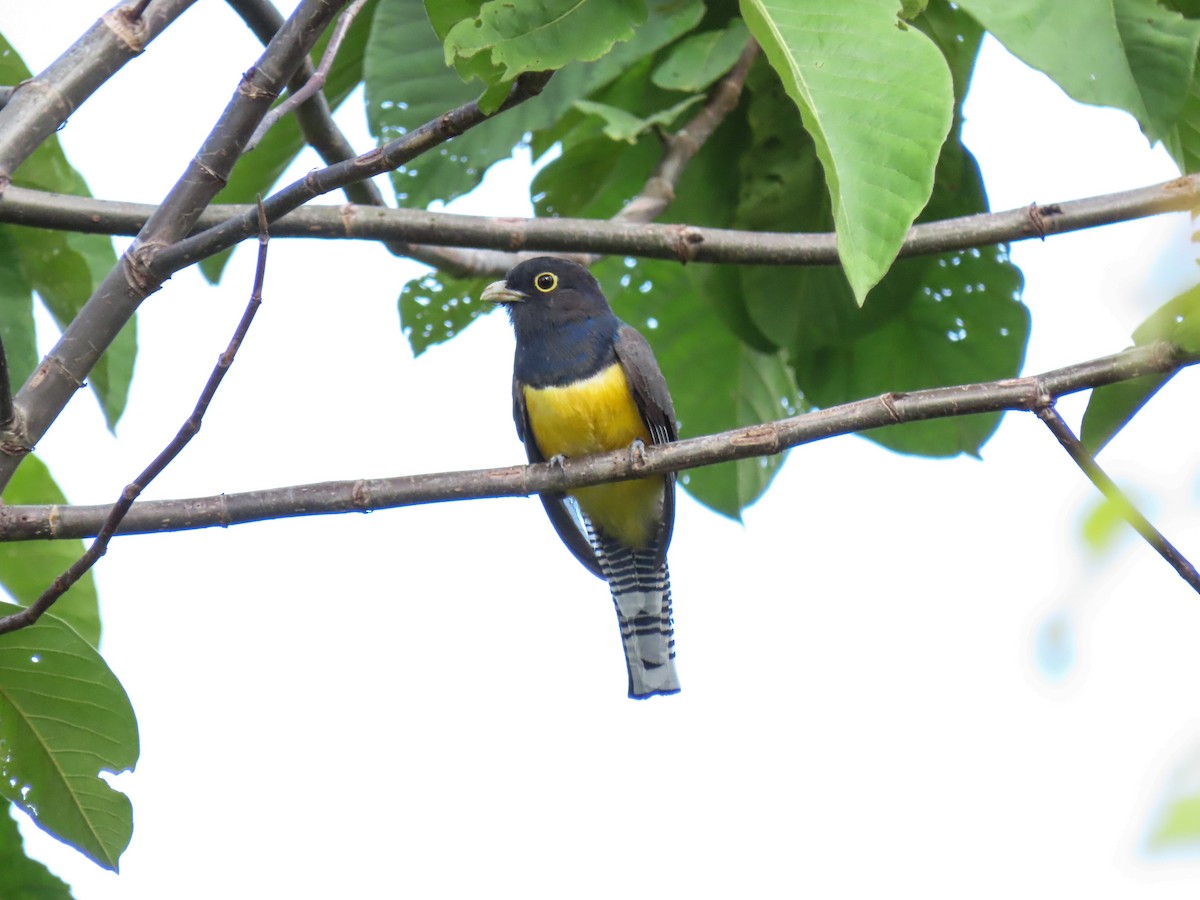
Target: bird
x,y
585,382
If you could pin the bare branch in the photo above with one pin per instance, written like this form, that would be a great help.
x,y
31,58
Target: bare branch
x,y
101,318
315,117
190,428
37,107
1108,487
316,81
19,523
22,206
321,181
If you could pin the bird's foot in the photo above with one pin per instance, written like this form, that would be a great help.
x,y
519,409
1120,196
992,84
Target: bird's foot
x,y
637,453
557,460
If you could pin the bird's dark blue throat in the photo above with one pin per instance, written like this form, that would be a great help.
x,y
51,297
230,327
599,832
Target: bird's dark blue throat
x,y
557,350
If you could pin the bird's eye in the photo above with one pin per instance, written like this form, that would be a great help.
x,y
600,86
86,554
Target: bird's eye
x,y
546,282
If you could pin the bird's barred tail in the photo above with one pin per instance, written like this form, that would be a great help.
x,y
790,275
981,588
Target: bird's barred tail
x,y
642,595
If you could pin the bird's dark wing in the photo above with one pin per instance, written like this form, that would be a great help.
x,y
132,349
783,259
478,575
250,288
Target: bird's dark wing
x,y
653,398
560,508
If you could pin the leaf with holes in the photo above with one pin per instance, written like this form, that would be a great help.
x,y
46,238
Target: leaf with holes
x,y
65,719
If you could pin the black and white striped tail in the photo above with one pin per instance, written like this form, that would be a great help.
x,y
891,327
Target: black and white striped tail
x,y
642,594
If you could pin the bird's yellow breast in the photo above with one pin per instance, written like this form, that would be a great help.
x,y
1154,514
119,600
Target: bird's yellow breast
x,y
595,415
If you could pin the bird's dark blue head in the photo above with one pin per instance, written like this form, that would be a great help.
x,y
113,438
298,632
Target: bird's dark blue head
x,y
564,326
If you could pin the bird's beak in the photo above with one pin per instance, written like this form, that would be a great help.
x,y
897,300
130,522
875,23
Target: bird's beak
x,y
500,292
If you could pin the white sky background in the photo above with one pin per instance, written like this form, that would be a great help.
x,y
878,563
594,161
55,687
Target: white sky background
x,y
431,701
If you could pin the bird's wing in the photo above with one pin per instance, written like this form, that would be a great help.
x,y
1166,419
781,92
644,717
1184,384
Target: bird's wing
x,y
564,513
653,398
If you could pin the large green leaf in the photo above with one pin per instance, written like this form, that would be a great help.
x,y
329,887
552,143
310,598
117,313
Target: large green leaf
x,y
16,309
1132,54
22,878
408,85
947,319
436,307
1113,406
877,100
64,719
63,268
537,35
28,567
257,171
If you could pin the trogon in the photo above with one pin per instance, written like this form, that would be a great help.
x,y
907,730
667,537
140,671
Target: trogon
x,y
585,382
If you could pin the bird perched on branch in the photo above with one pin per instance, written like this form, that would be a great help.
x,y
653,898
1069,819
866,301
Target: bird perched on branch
x,y
585,382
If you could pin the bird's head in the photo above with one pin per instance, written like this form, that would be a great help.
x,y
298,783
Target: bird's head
x,y
548,285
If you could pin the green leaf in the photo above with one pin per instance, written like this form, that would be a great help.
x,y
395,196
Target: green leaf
x,y
22,878
717,382
700,59
1106,522
1113,406
257,171
64,719
409,85
1180,825
537,35
436,307
28,567
620,125
877,101
1131,54
939,320
16,309
63,268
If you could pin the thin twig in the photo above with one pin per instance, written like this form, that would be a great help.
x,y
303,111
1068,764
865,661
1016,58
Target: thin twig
x,y
1115,495
19,523
24,206
316,81
190,428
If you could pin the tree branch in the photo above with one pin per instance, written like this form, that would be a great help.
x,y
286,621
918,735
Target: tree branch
x,y
314,116
316,81
1030,393
1108,487
189,430
36,108
39,209
62,372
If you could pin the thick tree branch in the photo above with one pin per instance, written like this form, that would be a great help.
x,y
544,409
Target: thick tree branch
x,y
101,318
36,108
1115,495
21,206
189,430
1030,393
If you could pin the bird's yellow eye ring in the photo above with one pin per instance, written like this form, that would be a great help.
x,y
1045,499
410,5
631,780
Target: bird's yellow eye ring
x,y
546,282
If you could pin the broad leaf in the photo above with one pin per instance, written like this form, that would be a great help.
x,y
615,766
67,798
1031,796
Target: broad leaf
x,y
22,878
537,35
700,59
28,567
63,268
436,307
1113,406
1131,54
409,85
64,719
877,100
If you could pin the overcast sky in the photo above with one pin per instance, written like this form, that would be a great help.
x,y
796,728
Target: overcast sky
x,y
360,704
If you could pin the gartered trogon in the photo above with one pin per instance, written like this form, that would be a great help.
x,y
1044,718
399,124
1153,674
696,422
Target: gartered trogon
x,y
585,382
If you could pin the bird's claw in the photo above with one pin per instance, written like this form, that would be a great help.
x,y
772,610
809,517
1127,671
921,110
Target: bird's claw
x,y
557,460
637,452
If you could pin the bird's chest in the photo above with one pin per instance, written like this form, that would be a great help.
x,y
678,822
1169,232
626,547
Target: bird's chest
x,y
590,415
